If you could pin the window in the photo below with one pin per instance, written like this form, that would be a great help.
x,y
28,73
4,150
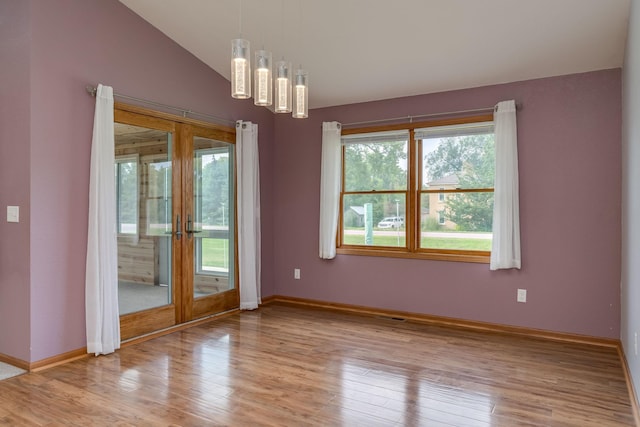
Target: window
x,y
375,184
126,175
421,192
157,201
460,161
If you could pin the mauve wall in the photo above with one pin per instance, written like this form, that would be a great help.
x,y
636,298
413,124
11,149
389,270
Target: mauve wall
x,y
630,283
569,138
15,38
78,42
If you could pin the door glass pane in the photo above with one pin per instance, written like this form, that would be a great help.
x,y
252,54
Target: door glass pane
x,y
213,217
143,191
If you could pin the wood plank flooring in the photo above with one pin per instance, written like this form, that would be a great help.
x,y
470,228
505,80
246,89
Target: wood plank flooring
x,y
292,366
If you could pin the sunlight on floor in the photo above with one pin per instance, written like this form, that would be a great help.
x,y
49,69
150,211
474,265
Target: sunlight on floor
x,y
8,371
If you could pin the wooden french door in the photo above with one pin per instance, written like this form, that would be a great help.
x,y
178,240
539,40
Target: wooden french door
x,y
175,185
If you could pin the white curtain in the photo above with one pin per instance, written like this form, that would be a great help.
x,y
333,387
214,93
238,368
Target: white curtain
x,y
505,250
248,173
101,281
330,188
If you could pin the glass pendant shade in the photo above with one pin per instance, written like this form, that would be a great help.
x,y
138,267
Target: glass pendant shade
x,y
262,79
283,87
240,69
301,95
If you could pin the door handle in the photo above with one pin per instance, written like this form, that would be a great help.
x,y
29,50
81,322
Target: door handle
x,y
178,230
190,229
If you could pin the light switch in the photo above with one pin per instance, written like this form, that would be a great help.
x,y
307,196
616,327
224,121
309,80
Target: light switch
x,y
522,295
13,214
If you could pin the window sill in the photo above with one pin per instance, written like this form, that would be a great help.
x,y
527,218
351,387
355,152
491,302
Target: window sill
x,y
456,256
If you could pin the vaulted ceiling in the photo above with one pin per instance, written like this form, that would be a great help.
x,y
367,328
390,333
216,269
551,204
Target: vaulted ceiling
x,y
364,50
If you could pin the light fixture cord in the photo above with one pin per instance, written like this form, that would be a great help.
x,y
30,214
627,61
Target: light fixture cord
x,y
282,27
300,26
240,20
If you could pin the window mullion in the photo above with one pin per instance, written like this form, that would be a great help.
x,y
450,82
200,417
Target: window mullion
x,y
459,190
340,234
412,203
346,193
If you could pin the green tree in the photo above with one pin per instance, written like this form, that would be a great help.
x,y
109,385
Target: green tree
x,y
472,159
215,189
376,167
127,186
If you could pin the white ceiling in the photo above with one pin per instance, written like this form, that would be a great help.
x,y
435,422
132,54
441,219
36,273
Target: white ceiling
x,y
364,50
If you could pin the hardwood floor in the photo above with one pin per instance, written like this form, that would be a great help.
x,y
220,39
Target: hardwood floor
x,y
291,366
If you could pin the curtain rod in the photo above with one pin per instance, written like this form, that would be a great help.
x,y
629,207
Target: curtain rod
x,y
91,90
410,118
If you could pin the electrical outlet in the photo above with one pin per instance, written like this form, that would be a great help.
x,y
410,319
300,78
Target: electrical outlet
x,y
522,295
296,273
13,214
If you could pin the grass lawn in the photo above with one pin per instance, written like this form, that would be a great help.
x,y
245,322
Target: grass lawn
x,y
427,242
213,252
461,244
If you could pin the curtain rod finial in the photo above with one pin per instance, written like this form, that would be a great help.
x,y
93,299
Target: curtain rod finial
x,y
91,90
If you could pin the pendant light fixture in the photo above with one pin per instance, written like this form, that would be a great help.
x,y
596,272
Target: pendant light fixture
x,y
240,69
262,79
288,98
301,95
283,87
300,86
282,75
240,64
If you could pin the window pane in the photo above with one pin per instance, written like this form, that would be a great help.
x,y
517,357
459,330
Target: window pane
x,y
376,166
158,200
463,161
212,169
127,195
374,219
144,262
463,221
213,217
